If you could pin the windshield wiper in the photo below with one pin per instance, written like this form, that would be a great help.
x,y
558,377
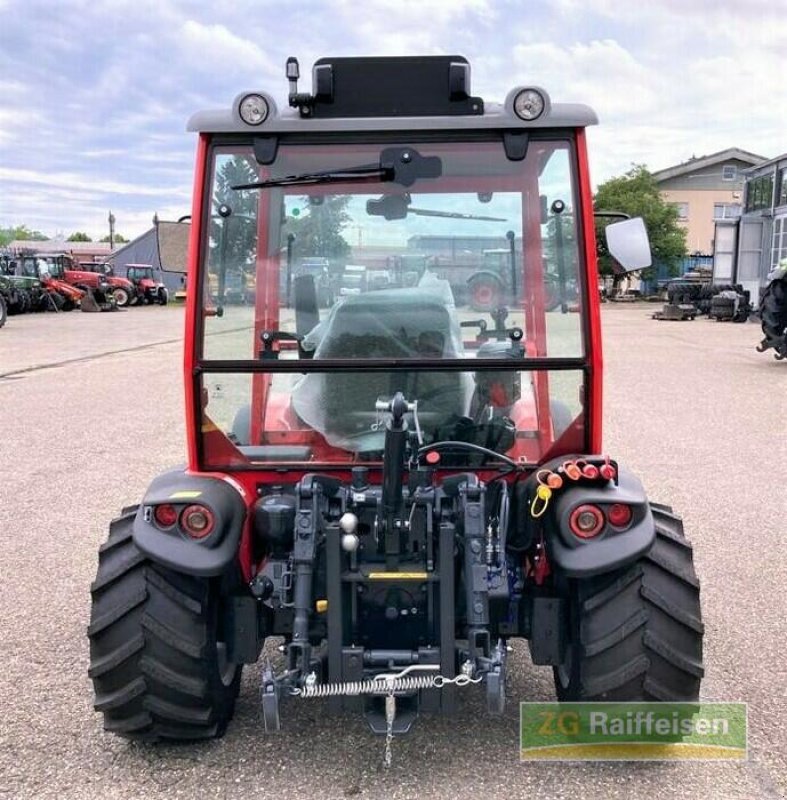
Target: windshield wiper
x,y
403,165
425,212
366,173
397,206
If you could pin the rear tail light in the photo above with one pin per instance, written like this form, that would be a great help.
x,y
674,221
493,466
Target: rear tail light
x,y
197,521
619,515
586,521
165,515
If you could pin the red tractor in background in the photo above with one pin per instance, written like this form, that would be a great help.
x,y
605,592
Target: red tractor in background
x,y
401,483
147,289
97,276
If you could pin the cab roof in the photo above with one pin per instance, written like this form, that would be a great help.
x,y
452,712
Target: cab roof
x,y
387,94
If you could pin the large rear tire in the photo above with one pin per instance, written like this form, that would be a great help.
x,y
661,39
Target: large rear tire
x,y
3,311
773,310
636,634
485,292
158,666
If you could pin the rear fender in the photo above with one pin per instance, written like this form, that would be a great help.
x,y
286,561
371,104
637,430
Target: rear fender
x,y
612,548
486,275
175,549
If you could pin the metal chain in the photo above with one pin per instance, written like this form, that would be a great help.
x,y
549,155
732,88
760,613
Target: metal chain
x,y
388,685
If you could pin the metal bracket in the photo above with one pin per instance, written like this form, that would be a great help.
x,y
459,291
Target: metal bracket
x,y
270,695
496,681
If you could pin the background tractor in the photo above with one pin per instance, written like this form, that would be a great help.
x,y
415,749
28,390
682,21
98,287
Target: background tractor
x,y
147,288
100,278
22,293
4,293
61,295
400,484
773,312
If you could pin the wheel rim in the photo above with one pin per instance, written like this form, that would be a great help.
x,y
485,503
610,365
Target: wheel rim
x,y
484,295
551,294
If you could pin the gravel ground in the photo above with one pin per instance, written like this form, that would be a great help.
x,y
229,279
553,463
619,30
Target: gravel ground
x,y
92,407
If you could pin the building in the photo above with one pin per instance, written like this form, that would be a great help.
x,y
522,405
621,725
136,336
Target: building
x,y
79,251
706,189
164,247
748,248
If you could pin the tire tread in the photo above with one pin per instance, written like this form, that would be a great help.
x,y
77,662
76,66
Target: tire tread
x,y
638,632
153,663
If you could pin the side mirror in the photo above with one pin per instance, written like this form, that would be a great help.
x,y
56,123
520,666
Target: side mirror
x,y
627,242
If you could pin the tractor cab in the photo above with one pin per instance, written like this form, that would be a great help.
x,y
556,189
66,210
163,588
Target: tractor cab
x,y
390,466
42,267
146,285
307,205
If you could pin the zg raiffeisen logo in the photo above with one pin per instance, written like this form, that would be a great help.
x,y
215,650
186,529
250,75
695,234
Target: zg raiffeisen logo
x,y
632,731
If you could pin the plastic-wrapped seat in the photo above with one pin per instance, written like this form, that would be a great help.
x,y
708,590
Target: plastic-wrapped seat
x,y
408,324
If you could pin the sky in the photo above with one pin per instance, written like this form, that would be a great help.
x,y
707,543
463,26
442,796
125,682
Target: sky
x,y
95,95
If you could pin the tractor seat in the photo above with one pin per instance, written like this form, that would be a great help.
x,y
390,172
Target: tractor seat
x,y
405,324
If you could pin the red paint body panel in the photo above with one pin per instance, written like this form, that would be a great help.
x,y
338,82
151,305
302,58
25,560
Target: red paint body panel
x,y
594,385
64,288
192,308
84,277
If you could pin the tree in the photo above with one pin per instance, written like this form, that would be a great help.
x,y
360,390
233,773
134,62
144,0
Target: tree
x,y
117,238
79,236
636,193
318,232
20,232
233,238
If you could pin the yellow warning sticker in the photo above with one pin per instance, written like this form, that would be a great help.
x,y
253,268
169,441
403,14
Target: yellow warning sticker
x,y
398,576
185,495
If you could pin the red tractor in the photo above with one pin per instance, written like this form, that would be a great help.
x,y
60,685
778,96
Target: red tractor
x,y
146,288
397,485
90,275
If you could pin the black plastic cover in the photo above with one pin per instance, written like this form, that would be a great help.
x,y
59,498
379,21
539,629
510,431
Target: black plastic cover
x,y
417,86
610,550
174,550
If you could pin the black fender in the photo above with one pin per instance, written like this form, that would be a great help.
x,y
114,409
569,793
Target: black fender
x,y
611,549
174,549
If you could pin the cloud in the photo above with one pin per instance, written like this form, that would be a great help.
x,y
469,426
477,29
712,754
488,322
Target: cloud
x,y
85,125
210,47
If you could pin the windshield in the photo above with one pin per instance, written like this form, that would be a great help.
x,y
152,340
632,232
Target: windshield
x,y
474,258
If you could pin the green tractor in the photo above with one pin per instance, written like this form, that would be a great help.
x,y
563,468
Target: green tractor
x,y
4,291
21,293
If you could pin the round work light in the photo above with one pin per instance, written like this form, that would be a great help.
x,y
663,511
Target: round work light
x,y
253,109
586,521
529,104
197,521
